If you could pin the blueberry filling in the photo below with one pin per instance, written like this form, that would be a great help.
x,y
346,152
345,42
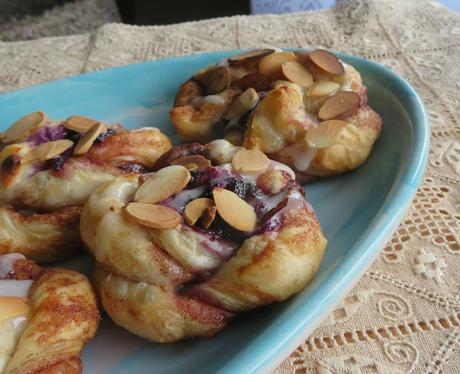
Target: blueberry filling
x,y
104,135
53,133
48,134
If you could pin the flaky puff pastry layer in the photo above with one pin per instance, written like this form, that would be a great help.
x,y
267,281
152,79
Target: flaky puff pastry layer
x,y
63,317
150,281
279,125
40,209
279,122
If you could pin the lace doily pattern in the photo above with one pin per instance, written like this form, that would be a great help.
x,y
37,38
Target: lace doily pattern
x,y
404,315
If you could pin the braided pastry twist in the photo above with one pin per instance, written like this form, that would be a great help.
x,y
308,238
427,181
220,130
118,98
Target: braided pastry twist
x,y
46,332
237,235
49,168
308,110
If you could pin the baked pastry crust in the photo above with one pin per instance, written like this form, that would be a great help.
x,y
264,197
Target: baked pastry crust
x,y
40,200
185,281
63,317
286,111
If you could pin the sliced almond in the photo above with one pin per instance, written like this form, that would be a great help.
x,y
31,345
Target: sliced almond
x,y
326,134
24,126
215,80
163,184
242,104
80,123
234,210
327,61
12,306
87,140
192,162
246,57
195,209
324,88
47,151
152,215
297,73
341,104
271,64
257,81
208,217
250,161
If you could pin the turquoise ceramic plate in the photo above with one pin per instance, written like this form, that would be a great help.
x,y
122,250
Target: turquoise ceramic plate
x,y
358,211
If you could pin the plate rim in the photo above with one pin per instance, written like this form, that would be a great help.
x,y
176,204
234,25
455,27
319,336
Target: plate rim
x,y
365,250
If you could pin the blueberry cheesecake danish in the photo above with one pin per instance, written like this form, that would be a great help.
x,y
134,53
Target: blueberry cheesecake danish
x,y
307,109
49,168
216,230
46,317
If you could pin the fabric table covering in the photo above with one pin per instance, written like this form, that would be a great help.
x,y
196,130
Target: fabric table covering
x,y
404,314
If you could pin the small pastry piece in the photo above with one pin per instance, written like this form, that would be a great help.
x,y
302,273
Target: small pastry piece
x,y
46,317
49,168
245,237
271,103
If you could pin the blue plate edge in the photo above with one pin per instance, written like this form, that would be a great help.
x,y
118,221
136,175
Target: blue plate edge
x,y
368,249
362,256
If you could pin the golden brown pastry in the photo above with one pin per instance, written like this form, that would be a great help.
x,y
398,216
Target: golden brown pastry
x,y
181,251
306,109
46,316
49,168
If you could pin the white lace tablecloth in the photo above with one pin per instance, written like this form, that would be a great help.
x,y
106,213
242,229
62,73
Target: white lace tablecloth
x,y
404,315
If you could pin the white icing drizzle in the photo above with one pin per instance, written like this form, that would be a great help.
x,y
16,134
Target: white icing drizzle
x,y
198,101
18,322
213,99
7,263
301,155
181,199
18,288
295,202
274,200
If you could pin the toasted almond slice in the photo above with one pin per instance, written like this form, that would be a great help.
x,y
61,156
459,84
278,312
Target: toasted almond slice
x,y
271,64
343,102
257,81
80,123
24,126
192,162
242,104
47,151
87,140
208,217
234,210
297,73
326,134
327,61
12,306
250,161
215,80
324,88
246,57
195,209
152,215
163,184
